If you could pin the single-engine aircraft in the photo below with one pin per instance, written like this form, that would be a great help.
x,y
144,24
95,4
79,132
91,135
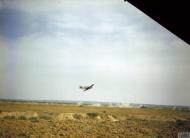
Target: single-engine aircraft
x,y
85,88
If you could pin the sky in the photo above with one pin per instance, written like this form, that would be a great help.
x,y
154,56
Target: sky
x,y
50,47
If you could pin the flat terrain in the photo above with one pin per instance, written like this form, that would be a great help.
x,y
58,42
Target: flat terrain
x,y
72,121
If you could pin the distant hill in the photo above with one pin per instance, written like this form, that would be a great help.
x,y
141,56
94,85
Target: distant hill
x,y
96,103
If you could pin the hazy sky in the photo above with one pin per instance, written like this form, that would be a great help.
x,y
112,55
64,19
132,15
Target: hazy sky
x,y
50,47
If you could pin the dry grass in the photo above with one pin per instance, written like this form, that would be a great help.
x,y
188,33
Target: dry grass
x,y
42,120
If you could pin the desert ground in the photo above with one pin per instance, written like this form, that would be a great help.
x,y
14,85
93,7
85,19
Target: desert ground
x,y
40,120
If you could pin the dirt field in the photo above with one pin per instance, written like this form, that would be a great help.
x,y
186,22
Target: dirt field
x,y
71,121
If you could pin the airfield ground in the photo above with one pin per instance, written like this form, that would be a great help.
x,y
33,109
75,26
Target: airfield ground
x,y
72,121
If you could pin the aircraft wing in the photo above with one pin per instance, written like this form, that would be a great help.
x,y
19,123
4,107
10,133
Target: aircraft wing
x,y
85,89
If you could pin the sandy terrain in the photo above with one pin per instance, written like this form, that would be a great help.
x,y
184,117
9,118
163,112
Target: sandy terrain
x,y
71,121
